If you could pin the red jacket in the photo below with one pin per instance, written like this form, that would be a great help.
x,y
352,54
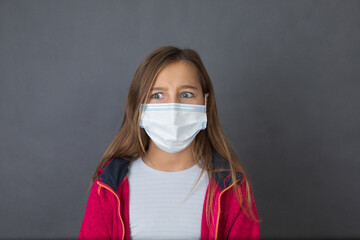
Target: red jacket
x,y
107,210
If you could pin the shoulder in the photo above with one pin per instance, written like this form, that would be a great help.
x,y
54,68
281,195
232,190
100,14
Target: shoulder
x,y
114,172
222,174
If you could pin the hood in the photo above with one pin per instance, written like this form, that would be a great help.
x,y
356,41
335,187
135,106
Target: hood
x,y
117,168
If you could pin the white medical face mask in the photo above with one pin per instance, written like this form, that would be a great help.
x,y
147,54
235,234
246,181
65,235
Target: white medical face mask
x,y
173,126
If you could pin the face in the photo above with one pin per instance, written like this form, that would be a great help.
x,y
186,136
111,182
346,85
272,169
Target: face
x,y
177,82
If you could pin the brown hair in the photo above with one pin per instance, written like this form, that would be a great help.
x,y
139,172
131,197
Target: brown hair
x,y
131,142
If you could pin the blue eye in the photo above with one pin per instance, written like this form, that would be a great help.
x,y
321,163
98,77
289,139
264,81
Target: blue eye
x,y
187,94
157,95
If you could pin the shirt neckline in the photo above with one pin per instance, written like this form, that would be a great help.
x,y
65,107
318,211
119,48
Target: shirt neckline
x,y
187,171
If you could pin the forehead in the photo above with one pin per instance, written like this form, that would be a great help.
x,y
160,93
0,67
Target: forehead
x,y
178,73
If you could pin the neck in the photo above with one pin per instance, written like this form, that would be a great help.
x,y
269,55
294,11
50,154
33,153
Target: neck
x,y
169,162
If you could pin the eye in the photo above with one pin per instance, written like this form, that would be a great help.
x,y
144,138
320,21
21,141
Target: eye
x,y
187,94
157,95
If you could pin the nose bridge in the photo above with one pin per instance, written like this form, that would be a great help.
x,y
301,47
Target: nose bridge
x,y
173,97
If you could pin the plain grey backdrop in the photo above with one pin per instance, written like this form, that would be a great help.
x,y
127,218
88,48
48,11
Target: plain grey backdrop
x,y
286,77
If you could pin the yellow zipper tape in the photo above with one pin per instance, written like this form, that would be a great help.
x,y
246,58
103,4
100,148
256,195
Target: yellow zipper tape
x,y
218,216
117,197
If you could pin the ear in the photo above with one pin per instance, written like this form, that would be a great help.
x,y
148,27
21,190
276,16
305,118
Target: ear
x,y
207,97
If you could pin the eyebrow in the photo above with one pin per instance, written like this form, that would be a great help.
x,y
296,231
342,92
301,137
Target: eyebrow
x,y
182,87
189,86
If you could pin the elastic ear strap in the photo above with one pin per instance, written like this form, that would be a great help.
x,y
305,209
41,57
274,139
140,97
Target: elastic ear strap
x,y
205,100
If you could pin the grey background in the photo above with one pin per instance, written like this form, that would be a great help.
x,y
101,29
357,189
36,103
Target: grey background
x,y
286,77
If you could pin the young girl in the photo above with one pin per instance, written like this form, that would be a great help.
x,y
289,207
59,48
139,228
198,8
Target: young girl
x,y
170,172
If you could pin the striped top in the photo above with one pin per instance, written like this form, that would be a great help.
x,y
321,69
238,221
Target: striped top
x,y
158,208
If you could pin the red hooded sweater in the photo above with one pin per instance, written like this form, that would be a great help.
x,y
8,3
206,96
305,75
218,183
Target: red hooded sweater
x,y
107,210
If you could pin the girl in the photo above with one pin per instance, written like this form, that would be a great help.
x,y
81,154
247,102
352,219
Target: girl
x,y
170,172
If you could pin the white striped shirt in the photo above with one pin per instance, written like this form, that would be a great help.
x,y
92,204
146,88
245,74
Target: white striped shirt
x,y
157,205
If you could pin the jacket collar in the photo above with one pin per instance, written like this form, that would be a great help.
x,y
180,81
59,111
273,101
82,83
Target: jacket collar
x,y
117,168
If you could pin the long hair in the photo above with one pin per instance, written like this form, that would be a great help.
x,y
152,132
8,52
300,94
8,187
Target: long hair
x,y
131,141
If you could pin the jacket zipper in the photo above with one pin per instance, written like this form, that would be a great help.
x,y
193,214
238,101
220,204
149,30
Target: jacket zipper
x,y
218,216
117,197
